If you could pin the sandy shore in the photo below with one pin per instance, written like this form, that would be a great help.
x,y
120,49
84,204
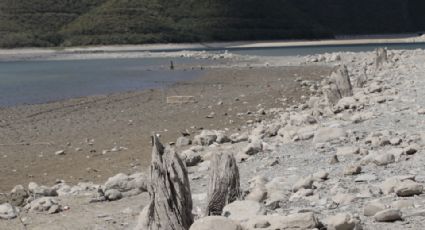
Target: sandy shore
x,y
176,50
90,129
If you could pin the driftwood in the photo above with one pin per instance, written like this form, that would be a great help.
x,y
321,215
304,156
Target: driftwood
x,y
381,57
224,185
339,86
170,207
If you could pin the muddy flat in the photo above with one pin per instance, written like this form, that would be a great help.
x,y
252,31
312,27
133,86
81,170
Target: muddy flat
x,y
103,135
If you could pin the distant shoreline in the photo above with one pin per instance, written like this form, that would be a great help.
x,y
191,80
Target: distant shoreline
x,y
99,51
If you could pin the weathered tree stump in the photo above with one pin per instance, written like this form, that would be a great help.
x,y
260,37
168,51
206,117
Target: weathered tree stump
x,y
361,79
224,185
171,199
339,86
381,57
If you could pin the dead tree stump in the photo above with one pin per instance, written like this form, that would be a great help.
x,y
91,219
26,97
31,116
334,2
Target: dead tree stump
x,y
381,57
339,86
224,185
171,199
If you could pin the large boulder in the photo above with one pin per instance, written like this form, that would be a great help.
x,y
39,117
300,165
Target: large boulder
x,y
44,204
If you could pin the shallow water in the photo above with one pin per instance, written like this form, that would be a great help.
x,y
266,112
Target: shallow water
x,y
32,82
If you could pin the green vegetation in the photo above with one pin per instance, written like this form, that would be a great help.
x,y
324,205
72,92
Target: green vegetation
x,y
89,22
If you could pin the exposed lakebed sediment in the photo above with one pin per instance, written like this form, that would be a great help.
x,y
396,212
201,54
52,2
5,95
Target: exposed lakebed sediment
x,y
356,164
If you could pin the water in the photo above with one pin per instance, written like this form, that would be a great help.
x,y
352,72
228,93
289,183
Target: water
x,y
32,82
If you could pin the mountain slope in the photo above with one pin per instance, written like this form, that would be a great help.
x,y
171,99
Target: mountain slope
x,y
88,22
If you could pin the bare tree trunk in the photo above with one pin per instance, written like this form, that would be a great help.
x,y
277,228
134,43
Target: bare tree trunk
x,y
171,199
381,57
224,185
339,86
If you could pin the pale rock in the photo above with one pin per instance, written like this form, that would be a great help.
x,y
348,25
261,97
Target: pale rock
x,y
305,183
421,111
365,178
395,141
408,188
343,198
215,223
40,191
342,221
44,204
402,204
321,176
388,215
253,148
205,138
17,196
352,170
113,194
7,212
237,138
190,157
243,210
294,221
257,194
123,183
384,159
373,207
60,152
183,141
327,134
347,150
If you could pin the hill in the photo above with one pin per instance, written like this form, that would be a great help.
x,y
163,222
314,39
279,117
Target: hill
x,y
89,22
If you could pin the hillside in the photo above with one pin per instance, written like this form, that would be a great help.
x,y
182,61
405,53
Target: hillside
x,y
87,22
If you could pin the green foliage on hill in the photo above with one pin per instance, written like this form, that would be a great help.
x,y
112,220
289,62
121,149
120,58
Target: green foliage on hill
x,y
88,22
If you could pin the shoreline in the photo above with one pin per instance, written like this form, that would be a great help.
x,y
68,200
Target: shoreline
x,y
179,49
90,129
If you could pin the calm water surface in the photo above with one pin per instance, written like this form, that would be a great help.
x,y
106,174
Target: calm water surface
x,y
32,82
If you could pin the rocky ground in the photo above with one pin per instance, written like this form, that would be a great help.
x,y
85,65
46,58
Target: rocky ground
x,y
357,163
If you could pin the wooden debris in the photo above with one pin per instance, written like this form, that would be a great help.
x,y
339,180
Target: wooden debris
x,y
224,185
171,199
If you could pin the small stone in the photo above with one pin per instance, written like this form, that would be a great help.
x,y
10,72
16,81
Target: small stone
x,y
365,178
327,134
373,207
215,223
7,212
305,183
395,141
412,149
421,111
408,188
388,215
334,160
347,150
243,210
113,194
321,176
384,159
60,152
352,170
183,141
342,221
